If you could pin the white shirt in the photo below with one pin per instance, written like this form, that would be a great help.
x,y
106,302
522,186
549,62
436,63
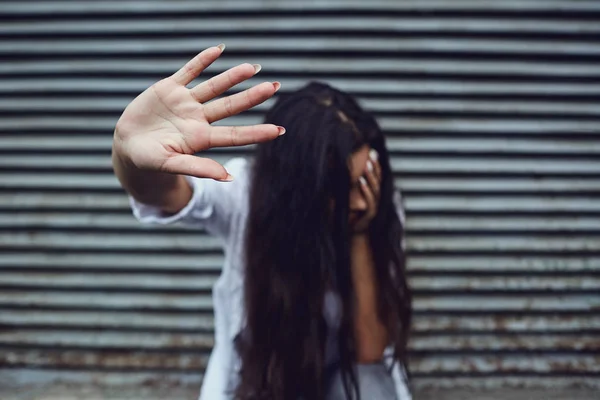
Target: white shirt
x,y
222,208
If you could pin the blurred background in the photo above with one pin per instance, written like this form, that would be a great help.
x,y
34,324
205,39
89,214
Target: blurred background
x,y
492,116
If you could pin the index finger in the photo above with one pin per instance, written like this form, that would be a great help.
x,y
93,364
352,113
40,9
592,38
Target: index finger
x,y
196,65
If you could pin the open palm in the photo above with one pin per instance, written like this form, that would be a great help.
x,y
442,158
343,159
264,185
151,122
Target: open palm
x,y
162,128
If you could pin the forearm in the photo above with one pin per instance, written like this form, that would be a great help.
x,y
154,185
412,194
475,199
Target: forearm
x,y
167,191
370,333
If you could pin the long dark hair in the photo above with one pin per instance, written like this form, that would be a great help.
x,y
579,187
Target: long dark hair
x,y
297,248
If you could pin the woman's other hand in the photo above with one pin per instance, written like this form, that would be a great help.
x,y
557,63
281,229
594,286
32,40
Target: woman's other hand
x,y
370,186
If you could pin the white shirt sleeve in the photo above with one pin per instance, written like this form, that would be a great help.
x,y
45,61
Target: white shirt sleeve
x,y
211,206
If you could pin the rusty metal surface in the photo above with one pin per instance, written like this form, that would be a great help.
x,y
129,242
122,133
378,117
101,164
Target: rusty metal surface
x,y
153,390
492,119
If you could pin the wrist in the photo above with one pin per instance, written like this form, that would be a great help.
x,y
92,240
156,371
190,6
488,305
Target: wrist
x,y
360,238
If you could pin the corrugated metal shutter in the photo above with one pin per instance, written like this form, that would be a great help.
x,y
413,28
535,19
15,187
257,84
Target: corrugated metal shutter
x,y
491,113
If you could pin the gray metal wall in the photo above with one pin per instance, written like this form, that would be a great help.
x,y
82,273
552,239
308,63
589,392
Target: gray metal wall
x,y
491,113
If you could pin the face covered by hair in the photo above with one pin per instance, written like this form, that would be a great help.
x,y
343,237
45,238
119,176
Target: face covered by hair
x,y
310,190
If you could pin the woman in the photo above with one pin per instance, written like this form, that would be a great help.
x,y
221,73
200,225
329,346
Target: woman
x,y
312,302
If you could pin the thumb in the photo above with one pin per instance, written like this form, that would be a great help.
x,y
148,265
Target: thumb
x,y
185,164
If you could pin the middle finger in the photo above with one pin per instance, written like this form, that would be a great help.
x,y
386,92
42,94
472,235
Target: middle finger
x,y
219,84
236,103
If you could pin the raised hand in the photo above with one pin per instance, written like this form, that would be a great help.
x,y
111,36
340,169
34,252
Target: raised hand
x,y
162,128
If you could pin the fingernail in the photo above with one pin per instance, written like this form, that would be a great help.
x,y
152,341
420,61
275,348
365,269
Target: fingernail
x,y
373,154
281,130
257,68
363,181
228,179
221,47
276,85
369,165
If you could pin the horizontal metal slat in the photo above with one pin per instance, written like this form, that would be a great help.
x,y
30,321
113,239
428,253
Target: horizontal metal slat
x,y
31,201
418,205
51,281
169,342
163,283
511,385
397,89
313,67
42,179
23,176
188,344
474,343
548,109
113,242
142,241
502,283
417,225
543,364
501,224
211,264
115,301
520,323
491,202
126,7
504,263
20,377
129,46
297,25
140,361
207,264
489,164
107,321
522,303
63,322
498,186
477,243
104,360
406,145
79,221
147,341
415,126
422,185
439,303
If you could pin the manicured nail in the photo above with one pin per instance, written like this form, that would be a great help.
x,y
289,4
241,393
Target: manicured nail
x,y
373,154
369,165
228,179
221,47
281,130
257,68
276,85
363,181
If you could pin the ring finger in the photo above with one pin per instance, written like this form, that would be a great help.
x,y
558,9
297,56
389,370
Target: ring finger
x,y
219,84
236,103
